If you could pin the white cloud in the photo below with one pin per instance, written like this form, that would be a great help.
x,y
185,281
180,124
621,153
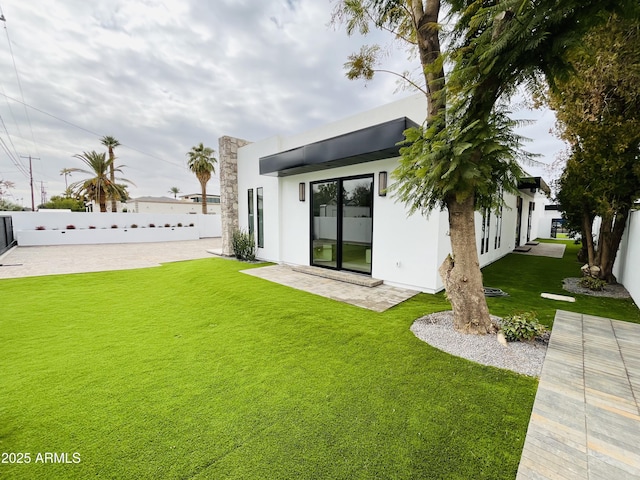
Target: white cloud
x,y
162,76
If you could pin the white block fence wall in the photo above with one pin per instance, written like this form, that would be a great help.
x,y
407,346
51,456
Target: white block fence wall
x,y
55,232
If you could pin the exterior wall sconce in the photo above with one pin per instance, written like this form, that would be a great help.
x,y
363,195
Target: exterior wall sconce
x,y
382,184
302,190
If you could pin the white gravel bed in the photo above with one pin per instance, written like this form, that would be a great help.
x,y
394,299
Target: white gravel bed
x,y
521,357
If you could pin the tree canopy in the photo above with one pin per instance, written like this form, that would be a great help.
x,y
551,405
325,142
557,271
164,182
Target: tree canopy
x,y
98,186
202,163
598,112
463,157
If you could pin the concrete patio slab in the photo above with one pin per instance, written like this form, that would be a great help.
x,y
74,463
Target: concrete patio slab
x,y
378,299
553,250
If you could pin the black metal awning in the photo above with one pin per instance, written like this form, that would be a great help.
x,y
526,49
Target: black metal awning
x,y
532,184
366,145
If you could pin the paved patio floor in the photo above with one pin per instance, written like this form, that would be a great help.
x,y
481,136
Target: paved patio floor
x,y
59,259
585,422
378,298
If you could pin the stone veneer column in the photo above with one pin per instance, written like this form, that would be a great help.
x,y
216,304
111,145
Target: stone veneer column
x,y
228,165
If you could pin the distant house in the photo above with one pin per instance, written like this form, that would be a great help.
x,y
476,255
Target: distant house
x,y
197,198
186,204
320,198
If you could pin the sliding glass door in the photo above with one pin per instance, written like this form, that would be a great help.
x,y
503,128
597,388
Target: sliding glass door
x,y
324,235
342,226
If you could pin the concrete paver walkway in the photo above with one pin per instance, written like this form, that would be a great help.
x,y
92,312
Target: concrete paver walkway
x,y
553,250
585,422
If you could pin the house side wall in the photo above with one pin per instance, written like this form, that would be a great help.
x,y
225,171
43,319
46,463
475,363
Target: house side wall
x,y
406,249
628,259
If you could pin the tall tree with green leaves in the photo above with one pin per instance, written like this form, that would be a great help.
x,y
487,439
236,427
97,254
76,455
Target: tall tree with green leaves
x,y
175,191
598,112
98,186
111,143
202,163
465,154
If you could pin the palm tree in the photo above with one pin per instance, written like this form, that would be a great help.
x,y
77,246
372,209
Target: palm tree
x,y
175,191
99,187
67,173
111,143
202,163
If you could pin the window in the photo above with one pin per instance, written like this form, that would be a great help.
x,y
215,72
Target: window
x,y
250,200
260,218
498,238
486,222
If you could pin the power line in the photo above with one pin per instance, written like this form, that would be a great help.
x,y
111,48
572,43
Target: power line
x,y
90,131
15,69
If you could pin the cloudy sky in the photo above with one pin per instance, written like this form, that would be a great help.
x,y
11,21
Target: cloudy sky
x,y
162,76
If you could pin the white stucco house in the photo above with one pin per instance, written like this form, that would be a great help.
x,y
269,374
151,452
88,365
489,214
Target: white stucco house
x,y
319,198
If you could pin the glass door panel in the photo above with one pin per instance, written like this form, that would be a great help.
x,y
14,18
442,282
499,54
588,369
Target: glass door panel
x,y
357,227
324,229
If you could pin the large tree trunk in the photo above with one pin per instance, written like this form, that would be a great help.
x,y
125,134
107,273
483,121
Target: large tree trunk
x,y
102,200
461,273
203,185
611,231
112,177
428,36
587,236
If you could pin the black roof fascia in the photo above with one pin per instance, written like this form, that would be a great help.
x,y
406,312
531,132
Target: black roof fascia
x,y
372,143
533,183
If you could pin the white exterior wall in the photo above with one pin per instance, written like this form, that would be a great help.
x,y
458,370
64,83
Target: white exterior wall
x,y
249,177
626,269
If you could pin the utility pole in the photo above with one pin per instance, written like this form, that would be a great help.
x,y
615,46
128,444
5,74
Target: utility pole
x,y
33,202
43,193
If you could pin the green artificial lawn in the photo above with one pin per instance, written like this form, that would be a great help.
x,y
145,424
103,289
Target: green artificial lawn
x,y
525,277
194,370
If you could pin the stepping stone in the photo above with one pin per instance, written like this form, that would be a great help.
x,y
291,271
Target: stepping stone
x,y
561,298
522,249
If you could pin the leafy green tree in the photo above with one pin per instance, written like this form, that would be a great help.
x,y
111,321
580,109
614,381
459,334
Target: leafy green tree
x,y
175,191
58,202
598,112
465,154
6,206
111,143
202,163
99,186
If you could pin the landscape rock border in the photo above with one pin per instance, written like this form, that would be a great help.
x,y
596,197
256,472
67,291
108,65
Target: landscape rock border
x,y
437,330
615,290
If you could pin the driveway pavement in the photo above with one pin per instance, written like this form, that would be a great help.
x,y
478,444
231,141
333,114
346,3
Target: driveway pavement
x,y
59,259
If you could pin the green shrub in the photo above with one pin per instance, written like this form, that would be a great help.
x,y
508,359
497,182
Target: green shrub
x,y
522,326
595,284
244,245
